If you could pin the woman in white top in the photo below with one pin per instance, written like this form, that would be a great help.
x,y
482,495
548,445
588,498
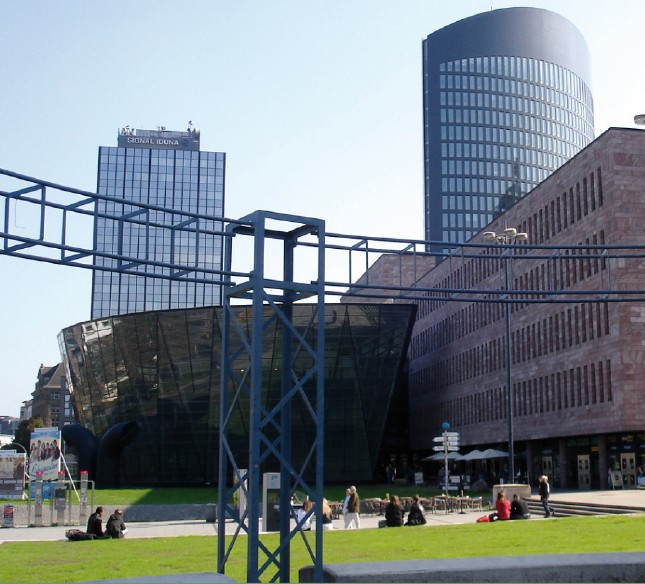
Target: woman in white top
x,y
302,512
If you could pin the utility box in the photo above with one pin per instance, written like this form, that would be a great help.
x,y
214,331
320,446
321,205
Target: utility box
x,y
271,501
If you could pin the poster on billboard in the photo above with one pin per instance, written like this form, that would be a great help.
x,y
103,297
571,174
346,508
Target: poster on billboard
x,y
12,474
44,453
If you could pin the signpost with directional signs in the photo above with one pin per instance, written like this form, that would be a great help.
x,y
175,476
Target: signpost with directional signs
x,y
447,442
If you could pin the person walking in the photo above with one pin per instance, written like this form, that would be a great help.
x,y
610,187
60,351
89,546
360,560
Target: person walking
x,y
545,490
352,516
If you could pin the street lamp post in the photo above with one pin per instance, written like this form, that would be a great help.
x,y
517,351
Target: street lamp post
x,y
508,237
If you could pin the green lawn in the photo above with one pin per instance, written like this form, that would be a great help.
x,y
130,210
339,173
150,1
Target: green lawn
x,y
77,561
197,495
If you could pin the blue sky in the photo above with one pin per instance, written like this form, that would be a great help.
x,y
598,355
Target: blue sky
x,y
317,104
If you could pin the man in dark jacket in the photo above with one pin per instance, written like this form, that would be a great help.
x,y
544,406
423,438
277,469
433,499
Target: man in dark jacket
x,y
95,524
545,491
519,508
115,525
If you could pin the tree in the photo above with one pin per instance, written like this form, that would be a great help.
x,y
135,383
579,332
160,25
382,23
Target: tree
x,y
24,430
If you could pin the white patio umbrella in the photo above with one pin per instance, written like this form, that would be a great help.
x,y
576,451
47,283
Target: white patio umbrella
x,y
440,456
492,453
473,455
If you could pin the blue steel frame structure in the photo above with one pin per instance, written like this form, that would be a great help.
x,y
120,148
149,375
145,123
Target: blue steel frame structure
x,y
48,203
280,296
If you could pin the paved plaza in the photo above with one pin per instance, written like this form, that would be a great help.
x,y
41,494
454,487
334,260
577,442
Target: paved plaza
x,y
628,497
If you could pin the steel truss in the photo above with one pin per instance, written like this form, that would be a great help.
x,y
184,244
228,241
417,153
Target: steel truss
x,y
271,427
61,232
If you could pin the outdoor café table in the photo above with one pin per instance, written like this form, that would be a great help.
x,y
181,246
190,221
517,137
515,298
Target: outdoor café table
x,y
460,504
454,504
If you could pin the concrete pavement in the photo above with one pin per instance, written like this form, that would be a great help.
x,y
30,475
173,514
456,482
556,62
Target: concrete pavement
x,y
630,498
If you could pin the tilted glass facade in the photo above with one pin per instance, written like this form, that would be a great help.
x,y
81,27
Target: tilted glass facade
x,y
161,370
170,178
506,102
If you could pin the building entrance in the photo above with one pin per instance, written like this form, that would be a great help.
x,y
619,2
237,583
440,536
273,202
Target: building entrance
x,y
584,472
547,466
628,468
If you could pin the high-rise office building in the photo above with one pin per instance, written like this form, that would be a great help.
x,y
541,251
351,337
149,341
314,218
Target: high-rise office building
x,y
506,101
164,169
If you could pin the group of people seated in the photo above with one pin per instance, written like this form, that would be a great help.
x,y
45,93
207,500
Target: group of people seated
x,y
115,527
304,517
505,509
395,515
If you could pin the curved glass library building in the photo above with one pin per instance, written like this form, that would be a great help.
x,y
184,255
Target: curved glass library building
x,y
148,384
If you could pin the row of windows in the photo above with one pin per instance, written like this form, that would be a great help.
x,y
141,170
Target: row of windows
x,y
574,204
560,272
523,69
495,159
138,178
132,294
573,388
457,237
469,202
470,221
488,186
505,94
172,198
579,201
538,149
557,138
126,154
144,173
562,330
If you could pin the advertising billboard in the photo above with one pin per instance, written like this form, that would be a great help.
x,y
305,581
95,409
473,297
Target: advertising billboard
x,y
44,453
12,474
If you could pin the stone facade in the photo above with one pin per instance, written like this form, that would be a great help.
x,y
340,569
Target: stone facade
x,y
577,361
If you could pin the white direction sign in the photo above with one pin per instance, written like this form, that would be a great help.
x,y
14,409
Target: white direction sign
x,y
451,434
448,448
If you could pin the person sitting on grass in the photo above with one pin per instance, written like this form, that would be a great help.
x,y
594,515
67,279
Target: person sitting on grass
x,y
519,508
416,516
393,513
302,512
502,507
95,524
327,519
115,526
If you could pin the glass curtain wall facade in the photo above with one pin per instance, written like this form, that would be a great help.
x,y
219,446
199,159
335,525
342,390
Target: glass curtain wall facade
x,y
161,370
506,100
168,170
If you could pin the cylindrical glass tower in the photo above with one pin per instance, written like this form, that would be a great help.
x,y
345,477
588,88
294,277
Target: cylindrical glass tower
x,y
506,101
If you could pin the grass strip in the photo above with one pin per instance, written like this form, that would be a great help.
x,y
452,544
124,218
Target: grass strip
x,y
95,560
